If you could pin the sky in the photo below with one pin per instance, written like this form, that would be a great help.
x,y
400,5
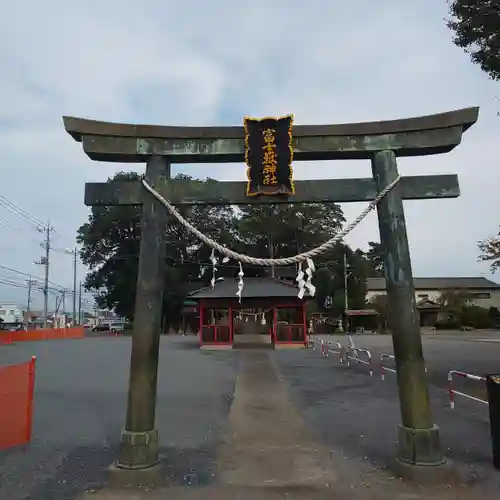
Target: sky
x,y
211,63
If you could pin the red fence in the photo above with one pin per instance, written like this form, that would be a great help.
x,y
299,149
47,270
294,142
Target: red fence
x,y
42,334
215,334
17,387
5,337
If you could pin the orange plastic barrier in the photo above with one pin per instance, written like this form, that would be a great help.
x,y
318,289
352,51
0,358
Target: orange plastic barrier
x,y
17,387
5,338
48,334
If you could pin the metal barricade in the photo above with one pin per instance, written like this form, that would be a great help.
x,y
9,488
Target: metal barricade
x,y
356,351
452,391
312,341
326,349
384,368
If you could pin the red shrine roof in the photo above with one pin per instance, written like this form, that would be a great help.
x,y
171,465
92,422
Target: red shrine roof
x,y
254,288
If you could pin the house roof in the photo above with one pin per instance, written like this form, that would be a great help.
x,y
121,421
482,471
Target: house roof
x,y
378,284
253,288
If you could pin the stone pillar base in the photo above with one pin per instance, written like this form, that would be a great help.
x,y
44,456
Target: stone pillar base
x,y
138,450
151,477
419,458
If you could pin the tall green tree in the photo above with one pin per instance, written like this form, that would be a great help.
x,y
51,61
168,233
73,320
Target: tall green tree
x,y
476,29
379,303
323,281
375,259
356,278
284,230
452,304
490,251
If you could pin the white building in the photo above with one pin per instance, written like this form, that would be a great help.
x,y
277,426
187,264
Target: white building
x,y
10,313
480,291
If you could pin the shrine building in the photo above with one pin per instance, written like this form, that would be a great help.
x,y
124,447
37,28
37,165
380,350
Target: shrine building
x,y
270,312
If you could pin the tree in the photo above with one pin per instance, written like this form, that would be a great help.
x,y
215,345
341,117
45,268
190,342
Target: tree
x,y
323,281
490,251
379,304
452,304
375,258
110,248
285,230
476,27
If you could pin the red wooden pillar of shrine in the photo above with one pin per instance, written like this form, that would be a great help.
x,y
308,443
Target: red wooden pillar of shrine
x,y
304,321
275,320
201,310
230,322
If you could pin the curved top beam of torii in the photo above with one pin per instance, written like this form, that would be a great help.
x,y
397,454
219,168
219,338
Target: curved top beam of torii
x,y
120,142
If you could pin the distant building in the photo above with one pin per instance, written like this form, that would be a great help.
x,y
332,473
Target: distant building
x,y
11,314
479,291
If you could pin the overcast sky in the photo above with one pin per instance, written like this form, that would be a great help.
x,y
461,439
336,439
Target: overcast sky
x,y
210,63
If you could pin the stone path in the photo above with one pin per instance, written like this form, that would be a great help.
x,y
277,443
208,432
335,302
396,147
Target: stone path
x,y
268,453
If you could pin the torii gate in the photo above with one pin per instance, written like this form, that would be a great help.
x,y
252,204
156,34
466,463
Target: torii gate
x,y
379,142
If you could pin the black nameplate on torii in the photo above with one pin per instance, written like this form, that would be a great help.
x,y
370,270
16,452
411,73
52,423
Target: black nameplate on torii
x,y
269,156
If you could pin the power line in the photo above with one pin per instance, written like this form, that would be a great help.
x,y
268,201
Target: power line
x,y
21,273
23,214
12,227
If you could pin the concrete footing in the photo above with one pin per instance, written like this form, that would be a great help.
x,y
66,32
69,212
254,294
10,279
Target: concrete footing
x,y
443,473
419,458
138,450
120,478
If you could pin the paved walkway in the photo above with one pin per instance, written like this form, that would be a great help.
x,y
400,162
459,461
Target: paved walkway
x,y
268,453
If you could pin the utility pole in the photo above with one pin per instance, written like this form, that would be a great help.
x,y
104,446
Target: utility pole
x,y
44,261
346,300
73,322
80,304
28,307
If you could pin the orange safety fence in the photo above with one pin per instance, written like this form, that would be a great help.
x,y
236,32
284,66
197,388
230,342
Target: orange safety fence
x,y
5,338
17,387
48,334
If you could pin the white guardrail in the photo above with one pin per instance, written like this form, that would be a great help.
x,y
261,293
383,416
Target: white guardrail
x,y
384,369
452,391
352,354
346,355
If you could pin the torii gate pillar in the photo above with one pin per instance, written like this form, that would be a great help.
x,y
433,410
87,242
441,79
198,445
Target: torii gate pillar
x,y
139,441
418,442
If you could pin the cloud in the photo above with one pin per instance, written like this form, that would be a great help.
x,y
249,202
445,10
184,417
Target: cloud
x,y
173,62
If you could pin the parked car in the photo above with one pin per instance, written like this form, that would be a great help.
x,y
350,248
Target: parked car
x,y
117,327
103,327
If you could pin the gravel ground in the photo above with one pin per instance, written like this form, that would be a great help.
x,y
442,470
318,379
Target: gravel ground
x,y
358,415
81,394
80,402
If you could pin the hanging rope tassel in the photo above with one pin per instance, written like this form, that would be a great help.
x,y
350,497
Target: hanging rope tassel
x,y
213,260
309,272
300,282
240,283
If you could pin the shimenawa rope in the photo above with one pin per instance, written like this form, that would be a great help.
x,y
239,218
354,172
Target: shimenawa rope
x,y
296,259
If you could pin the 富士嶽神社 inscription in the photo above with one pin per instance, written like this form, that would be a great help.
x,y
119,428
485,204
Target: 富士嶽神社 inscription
x,y
269,173
269,156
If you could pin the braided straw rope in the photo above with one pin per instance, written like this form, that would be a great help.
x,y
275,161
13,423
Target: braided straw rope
x,y
246,259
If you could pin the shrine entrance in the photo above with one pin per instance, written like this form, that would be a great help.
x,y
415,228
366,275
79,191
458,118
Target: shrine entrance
x,y
268,147
269,314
